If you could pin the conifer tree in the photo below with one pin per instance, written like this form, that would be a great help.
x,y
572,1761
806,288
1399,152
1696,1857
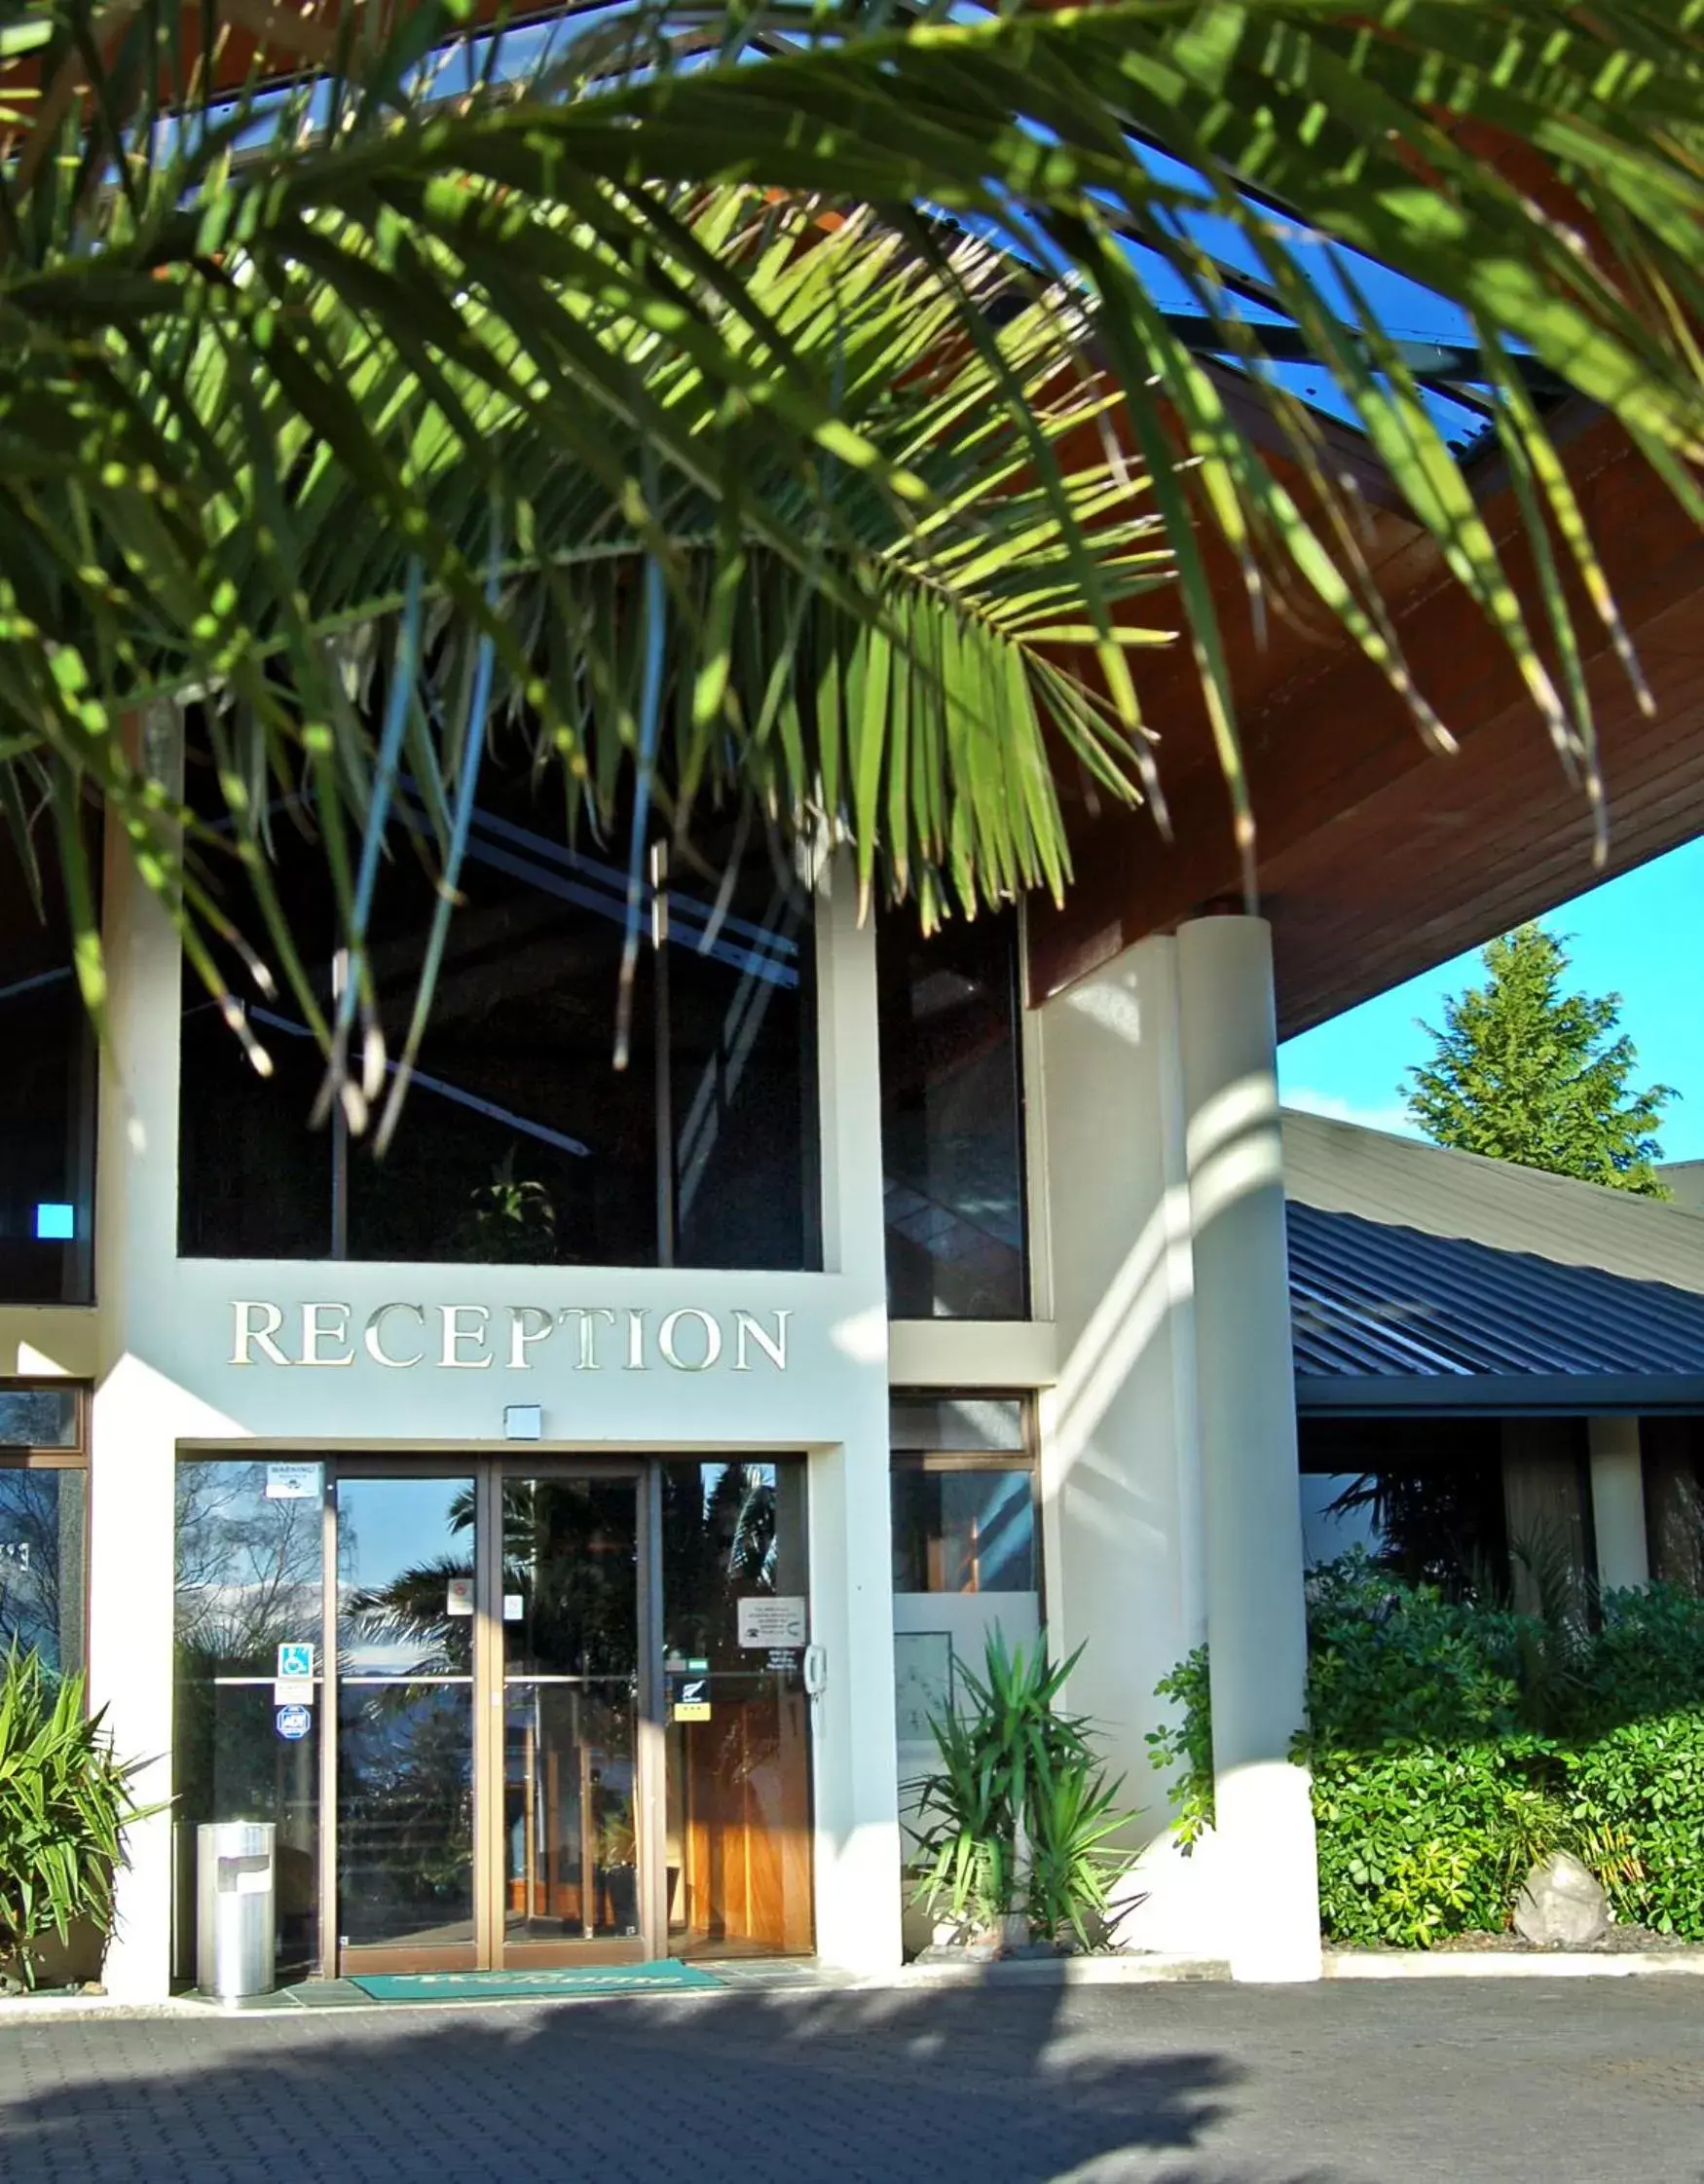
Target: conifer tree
x,y
1524,1072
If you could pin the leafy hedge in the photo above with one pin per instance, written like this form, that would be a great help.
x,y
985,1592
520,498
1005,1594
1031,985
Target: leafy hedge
x,y
1452,1745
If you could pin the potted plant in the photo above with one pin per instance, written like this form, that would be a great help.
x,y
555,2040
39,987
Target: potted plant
x,y
1015,1826
65,1803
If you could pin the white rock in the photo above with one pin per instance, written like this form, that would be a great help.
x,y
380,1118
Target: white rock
x,y
1560,1906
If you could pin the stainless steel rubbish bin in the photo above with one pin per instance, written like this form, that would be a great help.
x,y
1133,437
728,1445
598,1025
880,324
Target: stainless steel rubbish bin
x,y
236,1907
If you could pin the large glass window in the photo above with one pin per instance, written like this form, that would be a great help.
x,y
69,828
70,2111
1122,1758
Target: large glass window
x,y
953,1119
963,1497
47,1096
966,1557
43,1520
521,1142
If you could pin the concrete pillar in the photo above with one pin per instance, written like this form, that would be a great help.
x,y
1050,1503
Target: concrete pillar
x,y
1256,1628
1119,1462
1618,1502
852,1600
137,1411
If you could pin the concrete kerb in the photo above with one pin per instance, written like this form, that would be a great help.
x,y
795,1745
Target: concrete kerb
x,y
1508,1964
794,1979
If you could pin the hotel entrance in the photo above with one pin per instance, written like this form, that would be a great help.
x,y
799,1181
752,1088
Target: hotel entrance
x,y
523,1729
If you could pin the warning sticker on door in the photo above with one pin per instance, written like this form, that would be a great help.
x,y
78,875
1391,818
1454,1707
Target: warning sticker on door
x,y
691,1699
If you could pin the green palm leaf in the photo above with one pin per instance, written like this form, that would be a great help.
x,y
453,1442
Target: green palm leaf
x,y
678,298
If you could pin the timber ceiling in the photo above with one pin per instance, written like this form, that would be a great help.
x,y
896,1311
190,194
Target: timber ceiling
x,y
1376,857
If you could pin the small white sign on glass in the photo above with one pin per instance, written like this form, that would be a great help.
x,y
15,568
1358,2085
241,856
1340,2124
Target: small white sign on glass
x,y
292,1482
459,1597
781,1621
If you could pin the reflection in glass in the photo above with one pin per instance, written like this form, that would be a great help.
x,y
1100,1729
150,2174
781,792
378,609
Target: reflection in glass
x,y
738,1818
405,1711
38,1418
520,1144
570,1805
247,1580
254,1180
41,1566
1441,1524
571,1630
963,1531
952,1119
741,1033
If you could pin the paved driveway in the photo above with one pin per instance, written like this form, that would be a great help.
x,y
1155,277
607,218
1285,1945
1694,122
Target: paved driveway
x,y
1571,2081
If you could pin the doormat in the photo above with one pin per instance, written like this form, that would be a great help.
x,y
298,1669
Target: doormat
x,y
524,1986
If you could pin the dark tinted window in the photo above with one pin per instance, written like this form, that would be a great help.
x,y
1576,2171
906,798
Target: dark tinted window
x,y
47,1096
520,1144
254,1181
953,1119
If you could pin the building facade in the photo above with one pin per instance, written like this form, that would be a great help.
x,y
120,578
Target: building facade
x,y
563,1528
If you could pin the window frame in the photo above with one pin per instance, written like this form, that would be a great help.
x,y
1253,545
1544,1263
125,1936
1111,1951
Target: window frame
x,y
1027,1458
21,1456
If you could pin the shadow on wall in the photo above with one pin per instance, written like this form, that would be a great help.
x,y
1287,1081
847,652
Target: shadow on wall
x,y
762,2089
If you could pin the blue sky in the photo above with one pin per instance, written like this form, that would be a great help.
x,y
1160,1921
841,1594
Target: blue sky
x,y
1641,935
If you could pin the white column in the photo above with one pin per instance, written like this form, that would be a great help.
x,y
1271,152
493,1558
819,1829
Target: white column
x,y
1618,1502
851,1555
136,1410
1256,1628
1119,1455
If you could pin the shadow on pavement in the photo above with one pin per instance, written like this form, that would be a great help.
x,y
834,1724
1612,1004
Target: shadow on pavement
x,y
919,2089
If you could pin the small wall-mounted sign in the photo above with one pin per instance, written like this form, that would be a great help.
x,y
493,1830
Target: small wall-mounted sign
x,y
458,1597
691,1697
293,1722
514,1608
295,1659
292,1482
784,1620
293,1690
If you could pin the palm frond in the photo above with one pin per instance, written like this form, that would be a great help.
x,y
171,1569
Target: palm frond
x,y
842,335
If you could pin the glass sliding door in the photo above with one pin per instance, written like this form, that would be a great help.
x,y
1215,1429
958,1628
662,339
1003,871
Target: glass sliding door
x,y
406,1791
520,1712
571,1699
738,1818
249,1564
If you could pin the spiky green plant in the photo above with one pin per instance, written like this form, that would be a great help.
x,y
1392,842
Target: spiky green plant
x,y
65,1803
1018,1816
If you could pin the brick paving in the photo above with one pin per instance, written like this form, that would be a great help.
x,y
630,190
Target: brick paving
x,y
1571,2081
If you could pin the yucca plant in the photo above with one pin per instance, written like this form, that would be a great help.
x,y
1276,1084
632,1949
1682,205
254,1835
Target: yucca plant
x,y
1018,1817
65,1803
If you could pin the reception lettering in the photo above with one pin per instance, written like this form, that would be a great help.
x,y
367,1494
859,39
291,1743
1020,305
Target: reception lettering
x,y
400,1335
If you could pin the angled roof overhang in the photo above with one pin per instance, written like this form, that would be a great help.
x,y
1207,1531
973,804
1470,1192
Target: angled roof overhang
x,y
1425,1280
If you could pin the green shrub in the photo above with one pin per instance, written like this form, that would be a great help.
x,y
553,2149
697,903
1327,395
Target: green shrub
x,y
1636,1794
65,1801
1452,1745
1185,1744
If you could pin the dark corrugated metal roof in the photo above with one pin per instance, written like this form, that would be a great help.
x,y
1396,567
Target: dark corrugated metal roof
x,y
1371,1302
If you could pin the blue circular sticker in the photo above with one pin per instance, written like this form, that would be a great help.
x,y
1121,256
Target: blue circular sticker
x,y
294,1723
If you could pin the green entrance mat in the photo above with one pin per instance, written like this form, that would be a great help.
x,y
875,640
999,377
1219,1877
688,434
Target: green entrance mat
x,y
522,1987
